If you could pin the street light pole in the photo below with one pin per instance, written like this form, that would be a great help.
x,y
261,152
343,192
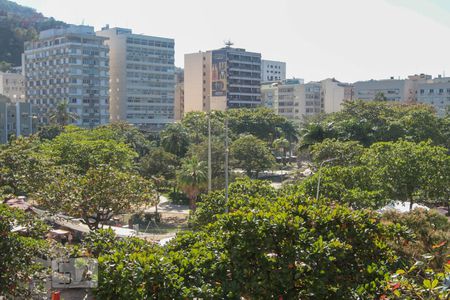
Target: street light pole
x,y
226,163
209,153
320,169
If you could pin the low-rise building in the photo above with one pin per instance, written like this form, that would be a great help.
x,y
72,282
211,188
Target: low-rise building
x,y
16,119
296,100
12,85
420,88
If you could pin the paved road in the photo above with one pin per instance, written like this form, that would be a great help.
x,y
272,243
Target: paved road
x,y
166,207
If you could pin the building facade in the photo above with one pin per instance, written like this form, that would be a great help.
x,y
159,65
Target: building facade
x,y
415,89
179,94
296,100
12,85
435,92
272,70
71,65
16,119
221,79
142,78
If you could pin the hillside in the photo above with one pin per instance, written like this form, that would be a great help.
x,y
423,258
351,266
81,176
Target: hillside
x,y
19,24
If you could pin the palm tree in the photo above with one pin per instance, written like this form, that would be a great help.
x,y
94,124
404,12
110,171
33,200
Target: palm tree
x,y
61,115
192,178
175,139
281,144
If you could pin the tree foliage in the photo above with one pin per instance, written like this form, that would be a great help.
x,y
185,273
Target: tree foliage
x,y
368,122
192,178
84,149
410,171
175,139
97,196
287,246
251,154
19,252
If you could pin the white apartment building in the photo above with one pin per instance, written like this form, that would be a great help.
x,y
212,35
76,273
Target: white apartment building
x,y
272,70
435,92
416,88
142,78
296,100
334,93
12,85
68,64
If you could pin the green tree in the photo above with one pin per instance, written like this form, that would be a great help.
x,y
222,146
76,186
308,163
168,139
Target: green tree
x,y
192,178
19,253
342,153
263,123
411,171
61,114
251,154
159,163
380,97
287,246
283,145
22,168
85,149
97,196
351,185
175,139
131,136
217,159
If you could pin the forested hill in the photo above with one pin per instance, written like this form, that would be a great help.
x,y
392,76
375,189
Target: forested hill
x,y
19,24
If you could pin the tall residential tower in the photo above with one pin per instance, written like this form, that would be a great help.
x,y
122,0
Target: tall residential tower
x,y
142,78
69,64
220,79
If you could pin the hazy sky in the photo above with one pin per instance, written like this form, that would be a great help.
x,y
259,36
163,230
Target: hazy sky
x,y
347,39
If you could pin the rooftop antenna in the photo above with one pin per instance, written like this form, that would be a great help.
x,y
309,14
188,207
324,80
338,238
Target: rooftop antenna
x,y
228,43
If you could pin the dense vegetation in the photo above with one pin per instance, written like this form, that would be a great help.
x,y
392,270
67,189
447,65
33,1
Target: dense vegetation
x,y
19,24
264,243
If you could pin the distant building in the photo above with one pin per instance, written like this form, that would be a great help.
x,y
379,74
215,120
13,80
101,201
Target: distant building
x,y
142,72
334,93
272,70
296,100
179,94
69,64
221,79
16,119
415,89
435,92
12,85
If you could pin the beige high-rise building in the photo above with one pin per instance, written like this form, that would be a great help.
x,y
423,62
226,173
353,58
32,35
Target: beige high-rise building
x,y
334,93
222,79
142,78
12,85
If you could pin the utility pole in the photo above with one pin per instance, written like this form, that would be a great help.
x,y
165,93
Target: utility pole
x,y
209,153
226,163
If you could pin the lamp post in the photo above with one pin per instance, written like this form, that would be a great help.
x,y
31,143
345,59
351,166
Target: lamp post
x,y
209,152
226,163
318,181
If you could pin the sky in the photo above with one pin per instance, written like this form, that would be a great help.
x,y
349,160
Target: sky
x,y
349,40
